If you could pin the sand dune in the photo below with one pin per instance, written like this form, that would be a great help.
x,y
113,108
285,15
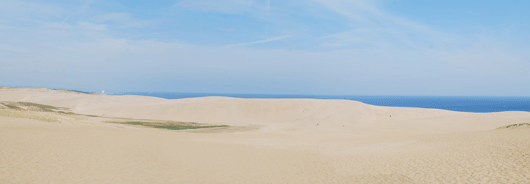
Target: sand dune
x,y
293,141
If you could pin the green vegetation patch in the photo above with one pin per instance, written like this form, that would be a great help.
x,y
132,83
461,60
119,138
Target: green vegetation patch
x,y
170,125
11,106
26,115
29,106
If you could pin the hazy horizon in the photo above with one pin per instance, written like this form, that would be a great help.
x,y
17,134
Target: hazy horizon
x,y
141,93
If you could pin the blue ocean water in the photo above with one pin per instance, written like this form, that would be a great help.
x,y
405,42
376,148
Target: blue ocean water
x,y
453,103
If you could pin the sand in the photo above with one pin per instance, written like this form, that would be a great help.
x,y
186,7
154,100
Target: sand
x,y
270,141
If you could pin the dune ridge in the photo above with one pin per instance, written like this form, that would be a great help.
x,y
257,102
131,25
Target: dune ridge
x,y
273,113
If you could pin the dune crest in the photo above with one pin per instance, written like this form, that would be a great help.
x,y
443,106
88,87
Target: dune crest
x,y
272,114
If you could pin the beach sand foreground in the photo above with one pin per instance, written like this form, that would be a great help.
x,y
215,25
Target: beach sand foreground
x,y
52,136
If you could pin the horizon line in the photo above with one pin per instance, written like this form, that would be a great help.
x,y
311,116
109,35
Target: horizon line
x,y
235,93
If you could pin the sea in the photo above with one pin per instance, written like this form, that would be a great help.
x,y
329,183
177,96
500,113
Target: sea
x,y
476,104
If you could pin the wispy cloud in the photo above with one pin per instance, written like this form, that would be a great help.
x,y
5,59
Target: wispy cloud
x,y
16,10
226,6
385,28
122,19
85,6
115,16
263,41
91,26
336,47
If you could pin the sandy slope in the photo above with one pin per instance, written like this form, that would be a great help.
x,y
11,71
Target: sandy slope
x,y
353,142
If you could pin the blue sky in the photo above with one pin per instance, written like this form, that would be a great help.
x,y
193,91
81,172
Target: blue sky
x,y
325,47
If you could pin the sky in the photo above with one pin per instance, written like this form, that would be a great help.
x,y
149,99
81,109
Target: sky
x,y
318,47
